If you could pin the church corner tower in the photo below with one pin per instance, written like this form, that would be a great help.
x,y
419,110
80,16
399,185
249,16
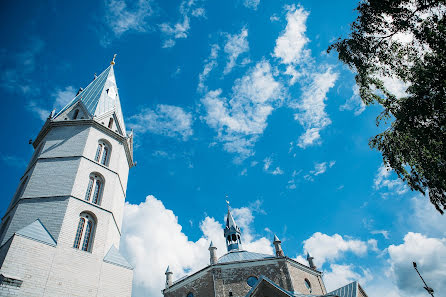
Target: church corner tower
x,y
60,234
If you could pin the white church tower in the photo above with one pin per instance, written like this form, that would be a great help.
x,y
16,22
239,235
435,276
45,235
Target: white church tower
x,y
60,235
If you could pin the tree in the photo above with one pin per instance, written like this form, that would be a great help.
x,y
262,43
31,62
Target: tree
x,y
404,40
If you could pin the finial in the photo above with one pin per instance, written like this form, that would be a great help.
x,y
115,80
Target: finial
x,y
113,61
227,201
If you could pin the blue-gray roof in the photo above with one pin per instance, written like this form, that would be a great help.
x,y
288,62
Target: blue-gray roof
x,y
37,231
114,257
91,94
100,97
350,290
237,256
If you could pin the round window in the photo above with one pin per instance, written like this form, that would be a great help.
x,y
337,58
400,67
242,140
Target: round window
x,y
190,294
251,281
308,285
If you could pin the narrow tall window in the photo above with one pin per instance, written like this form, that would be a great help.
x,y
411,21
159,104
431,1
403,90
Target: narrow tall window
x,y
76,113
98,152
110,123
87,236
90,187
79,232
103,152
94,189
104,156
85,232
97,191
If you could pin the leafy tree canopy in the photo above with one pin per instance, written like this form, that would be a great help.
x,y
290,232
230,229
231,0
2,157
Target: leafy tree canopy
x,y
404,41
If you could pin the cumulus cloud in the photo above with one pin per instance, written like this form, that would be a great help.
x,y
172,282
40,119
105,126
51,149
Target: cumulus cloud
x,y
122,16
340,275
210,64
428,253
354,103
290,45
172,32
383,181
167,120
325,248
240,120
312,115
236,45
166,244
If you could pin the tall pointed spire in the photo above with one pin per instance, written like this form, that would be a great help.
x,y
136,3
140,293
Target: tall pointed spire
x,y
100,99
232,233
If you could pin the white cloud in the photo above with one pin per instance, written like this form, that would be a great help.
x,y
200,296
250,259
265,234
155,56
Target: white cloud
x,y
274,18
35,107
354,103
13,161
341,275
319,168
120,18
290,44
382,181
166,244
267,162
384,233
428,253
166,120
236,45
395,86
63,96
210,64
426,218
330,248
251,3
240,120
312,115
181,28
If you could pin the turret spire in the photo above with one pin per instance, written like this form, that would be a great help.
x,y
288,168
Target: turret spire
x,y
232,232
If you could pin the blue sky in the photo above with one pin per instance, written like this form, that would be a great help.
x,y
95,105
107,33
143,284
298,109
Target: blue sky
x,y
232,98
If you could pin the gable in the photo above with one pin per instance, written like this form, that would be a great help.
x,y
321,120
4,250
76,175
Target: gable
x,y
36,231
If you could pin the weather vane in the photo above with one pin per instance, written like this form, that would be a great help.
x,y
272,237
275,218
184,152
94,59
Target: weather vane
x,y
113,61
227,201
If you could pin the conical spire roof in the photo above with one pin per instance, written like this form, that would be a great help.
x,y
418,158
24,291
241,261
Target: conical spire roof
x,y
101,97
230,222
276,239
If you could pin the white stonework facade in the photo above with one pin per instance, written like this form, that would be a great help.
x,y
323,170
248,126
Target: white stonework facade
x,y
38,251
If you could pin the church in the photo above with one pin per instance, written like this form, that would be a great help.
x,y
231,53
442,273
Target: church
x,y
61,232
241,273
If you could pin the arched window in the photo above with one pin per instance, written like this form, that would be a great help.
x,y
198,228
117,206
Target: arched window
x,y
76,113
308,285
85,232
94,189
190,294
103,153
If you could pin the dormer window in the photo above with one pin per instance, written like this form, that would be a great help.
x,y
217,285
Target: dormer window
x,y
76,113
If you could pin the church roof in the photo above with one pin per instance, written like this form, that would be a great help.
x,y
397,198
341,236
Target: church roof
x,y
238,256
36,231
100,97
230,222
114,257
350,290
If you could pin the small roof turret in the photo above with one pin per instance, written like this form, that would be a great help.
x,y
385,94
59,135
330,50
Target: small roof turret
x,y
276,239
232,232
